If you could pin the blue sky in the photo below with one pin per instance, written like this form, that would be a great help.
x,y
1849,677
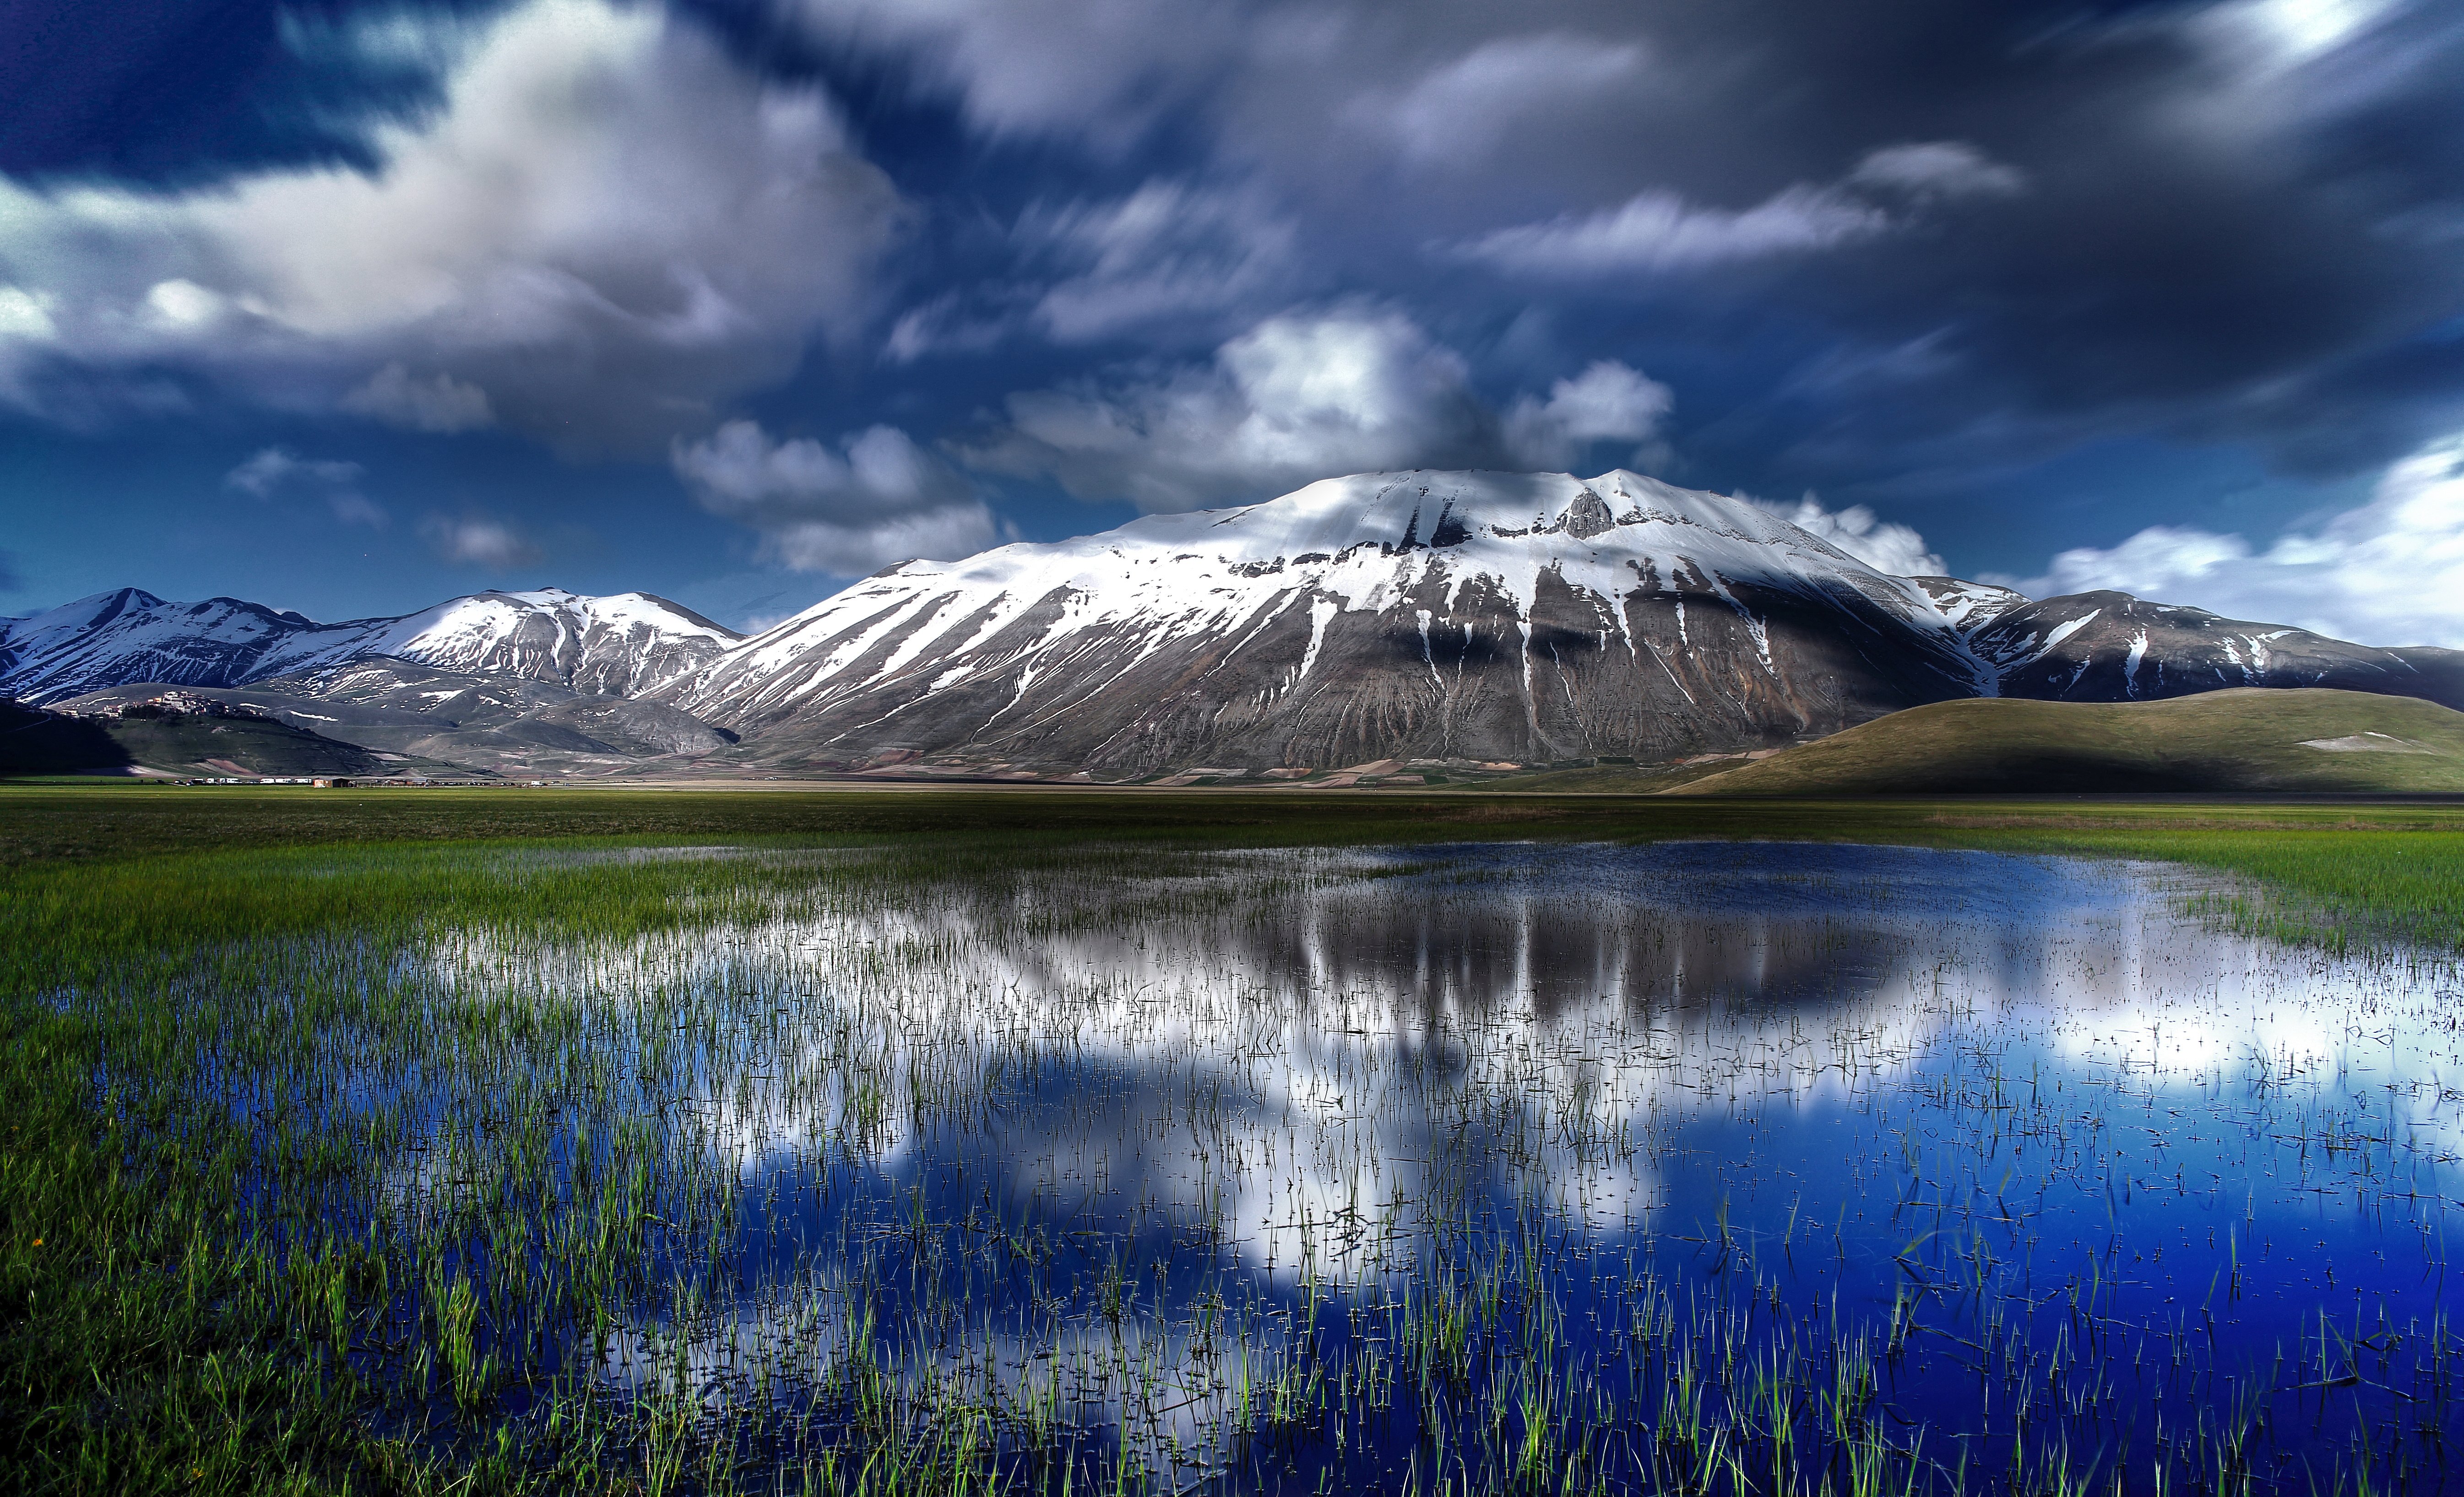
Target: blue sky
x,y
351,308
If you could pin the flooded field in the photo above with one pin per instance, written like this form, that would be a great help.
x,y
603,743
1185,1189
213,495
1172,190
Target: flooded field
x,y
1692,1167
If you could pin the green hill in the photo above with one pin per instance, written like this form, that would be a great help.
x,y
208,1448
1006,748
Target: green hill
x,y
2244,740
34,742
193,744
37,742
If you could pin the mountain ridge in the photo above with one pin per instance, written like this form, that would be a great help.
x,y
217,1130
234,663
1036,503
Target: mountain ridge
x,y
542,681
622,643
1430,616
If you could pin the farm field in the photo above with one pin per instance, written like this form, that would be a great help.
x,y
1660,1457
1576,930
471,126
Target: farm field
x,y
955,1141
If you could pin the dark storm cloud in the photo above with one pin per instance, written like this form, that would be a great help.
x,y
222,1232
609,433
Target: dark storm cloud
x,y
2160,220
1915,257
2195,244
1993,231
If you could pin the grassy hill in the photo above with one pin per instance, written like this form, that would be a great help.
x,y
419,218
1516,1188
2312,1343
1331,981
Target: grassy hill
x,y
36,742
247,745
2244,740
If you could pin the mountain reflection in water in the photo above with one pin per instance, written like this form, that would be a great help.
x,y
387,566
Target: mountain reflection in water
x,y
2073,1173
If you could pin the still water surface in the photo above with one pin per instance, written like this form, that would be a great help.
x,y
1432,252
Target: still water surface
x,y
1714,1166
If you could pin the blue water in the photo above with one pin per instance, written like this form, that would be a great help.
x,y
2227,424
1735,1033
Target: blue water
x,y
2087,1183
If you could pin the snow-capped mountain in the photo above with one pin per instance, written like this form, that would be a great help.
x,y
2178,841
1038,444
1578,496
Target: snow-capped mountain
x,y
616,646
2110,647
1449,616
1480,615
131,635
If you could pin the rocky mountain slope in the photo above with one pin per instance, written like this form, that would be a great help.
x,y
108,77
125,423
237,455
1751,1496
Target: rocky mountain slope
x,y
1447,615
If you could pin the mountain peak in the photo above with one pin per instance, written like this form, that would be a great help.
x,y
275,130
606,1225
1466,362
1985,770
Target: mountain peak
x,y
1491,615
617,646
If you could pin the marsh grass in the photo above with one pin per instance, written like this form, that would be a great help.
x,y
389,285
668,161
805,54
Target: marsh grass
x,y
2324,870
2345,888
347,1174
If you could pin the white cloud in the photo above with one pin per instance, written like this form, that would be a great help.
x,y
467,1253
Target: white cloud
x,y
859,549
2389,572
604,225
1168,249
1349,382
439,402
179,306
2263,39
1884,545
358,509
2265,73
1658,229
274,467
479,540
1460,109
1294,399
1938,168
1607,402
1170,256
1097,69
1304,396
26,316
873,499
946,325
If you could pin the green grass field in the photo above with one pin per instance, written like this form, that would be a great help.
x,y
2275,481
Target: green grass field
x,y
149,1344
2234,741
2337,867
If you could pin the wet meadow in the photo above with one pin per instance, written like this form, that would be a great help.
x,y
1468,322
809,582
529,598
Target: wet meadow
x,y
1446,1150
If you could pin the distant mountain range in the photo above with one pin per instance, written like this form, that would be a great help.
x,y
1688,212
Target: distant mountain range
x,y
607,647
502,683
1453,619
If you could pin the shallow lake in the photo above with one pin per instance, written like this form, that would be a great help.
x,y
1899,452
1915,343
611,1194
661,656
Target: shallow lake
x,y
1711,1167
